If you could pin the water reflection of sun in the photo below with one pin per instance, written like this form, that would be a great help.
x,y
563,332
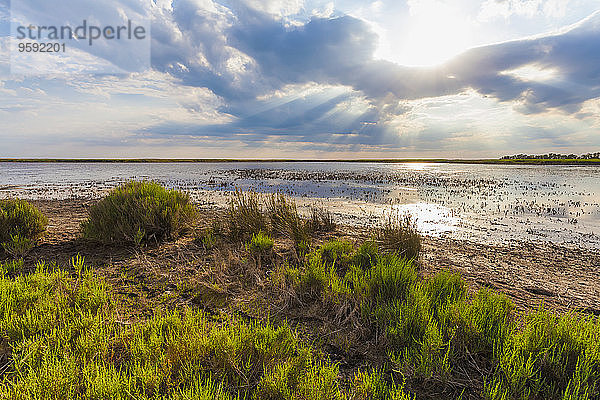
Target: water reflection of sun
x,y
431,219
416,166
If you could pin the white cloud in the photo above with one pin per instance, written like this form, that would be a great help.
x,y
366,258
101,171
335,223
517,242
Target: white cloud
x,y
277,7
325,11
525,8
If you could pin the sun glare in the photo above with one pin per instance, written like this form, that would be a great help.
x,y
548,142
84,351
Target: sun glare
x,y
435,32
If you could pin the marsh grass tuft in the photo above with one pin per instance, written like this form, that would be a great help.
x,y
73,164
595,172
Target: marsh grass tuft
x,y
399,235
321,220
18,246
13,267
284,218
139,213
208,239
260,244
245,215
367,255
374,386
335,253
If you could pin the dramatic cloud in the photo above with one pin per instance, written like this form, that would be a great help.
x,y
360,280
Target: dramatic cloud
x,y
252,73
573,57
242,54
260,66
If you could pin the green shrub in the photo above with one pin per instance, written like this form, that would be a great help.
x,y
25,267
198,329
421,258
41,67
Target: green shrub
x,y
405,320
443,289
245,216
485,323
302,249
366,256
552,357
325,273
428,323
399,235
430,334
416,338
335,253
21,225
314,280
18,245
139,212
373,386
320,279
388,281
48,300
299,379
260,244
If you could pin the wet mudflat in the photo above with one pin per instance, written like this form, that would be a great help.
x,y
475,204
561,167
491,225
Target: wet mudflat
x,y
491,204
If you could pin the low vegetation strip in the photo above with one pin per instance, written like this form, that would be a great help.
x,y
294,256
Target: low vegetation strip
x,y
65,333
435,332
62,340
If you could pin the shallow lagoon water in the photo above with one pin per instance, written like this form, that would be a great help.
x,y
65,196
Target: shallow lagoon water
x,y
487,203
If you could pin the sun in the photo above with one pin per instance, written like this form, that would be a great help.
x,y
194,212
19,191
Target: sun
x,y
434,32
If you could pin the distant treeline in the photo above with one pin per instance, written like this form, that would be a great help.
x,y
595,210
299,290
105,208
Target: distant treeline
x,y
553,156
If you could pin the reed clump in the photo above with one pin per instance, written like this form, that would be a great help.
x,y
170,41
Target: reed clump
x,y
250,213
245,215
284,218
321,220
399,235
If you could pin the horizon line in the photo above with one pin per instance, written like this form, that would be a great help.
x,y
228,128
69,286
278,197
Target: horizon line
x,y
288,160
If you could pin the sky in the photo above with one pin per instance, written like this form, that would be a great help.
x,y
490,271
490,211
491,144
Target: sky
x,y
317,79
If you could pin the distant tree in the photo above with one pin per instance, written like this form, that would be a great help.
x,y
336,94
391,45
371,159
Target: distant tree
x,y
552,156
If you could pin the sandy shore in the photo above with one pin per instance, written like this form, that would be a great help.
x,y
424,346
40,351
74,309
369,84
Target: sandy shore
x,y
530,273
